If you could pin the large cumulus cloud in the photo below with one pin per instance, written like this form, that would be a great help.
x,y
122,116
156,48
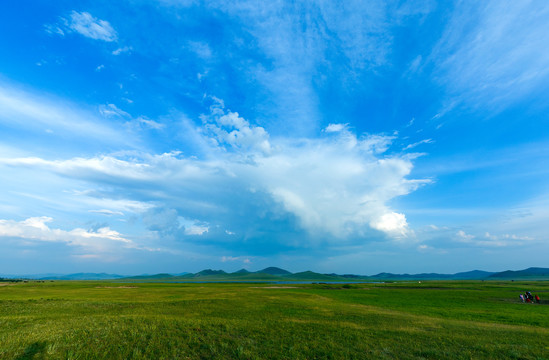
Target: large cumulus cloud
x,y
332,187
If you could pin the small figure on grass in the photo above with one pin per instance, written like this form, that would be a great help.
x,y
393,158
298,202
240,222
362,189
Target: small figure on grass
x,y
538,299
521,297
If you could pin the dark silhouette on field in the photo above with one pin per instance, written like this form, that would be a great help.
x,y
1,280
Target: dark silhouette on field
x,y
34,351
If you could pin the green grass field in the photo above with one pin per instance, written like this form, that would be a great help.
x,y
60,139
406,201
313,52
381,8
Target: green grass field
x,y
432,320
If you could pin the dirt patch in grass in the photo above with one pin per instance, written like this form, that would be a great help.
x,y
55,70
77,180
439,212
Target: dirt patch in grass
x,y
117,287
274,287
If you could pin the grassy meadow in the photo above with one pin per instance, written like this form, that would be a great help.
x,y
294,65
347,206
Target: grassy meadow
x,y
410,320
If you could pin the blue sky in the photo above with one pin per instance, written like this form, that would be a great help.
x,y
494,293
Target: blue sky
x,y
350,137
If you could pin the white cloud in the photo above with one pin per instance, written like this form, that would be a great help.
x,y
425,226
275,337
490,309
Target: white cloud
x,y
192,227
335,127
102,233
107,212
463,236
391,223
39,112
232,130
411,146
87,25
145,123
196,230
151,168
336,186
54,29
510,238
491,240
111,110
424,248
36,229
378,144
110,206
242,259
122,50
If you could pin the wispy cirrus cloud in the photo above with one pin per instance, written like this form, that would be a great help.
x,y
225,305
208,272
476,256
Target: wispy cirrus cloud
x,y
114,112
34,112
411,146
87,25
494,54
144,123
111,110
107,212
298,50
54,29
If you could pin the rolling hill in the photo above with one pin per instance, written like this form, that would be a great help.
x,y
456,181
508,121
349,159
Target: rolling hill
x,y
278,274
274,271
533,273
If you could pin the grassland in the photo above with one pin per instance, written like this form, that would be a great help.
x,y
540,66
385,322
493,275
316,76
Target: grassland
x,y
433,320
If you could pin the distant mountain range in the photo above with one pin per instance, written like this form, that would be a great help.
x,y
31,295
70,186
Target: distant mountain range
x,y
278,274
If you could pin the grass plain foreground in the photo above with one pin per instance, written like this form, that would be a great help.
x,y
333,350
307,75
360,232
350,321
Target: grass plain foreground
x,y
410,320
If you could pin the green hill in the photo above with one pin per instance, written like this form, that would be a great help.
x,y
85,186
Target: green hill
x,y
218,275
472,275
210,272
533,273
274,271
156,276
83,276
241,271
277,274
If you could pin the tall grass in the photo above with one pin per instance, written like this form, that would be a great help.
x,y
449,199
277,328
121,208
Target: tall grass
x,y
435,320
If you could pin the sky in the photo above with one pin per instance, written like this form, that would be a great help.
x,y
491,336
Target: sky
x,y
147,136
